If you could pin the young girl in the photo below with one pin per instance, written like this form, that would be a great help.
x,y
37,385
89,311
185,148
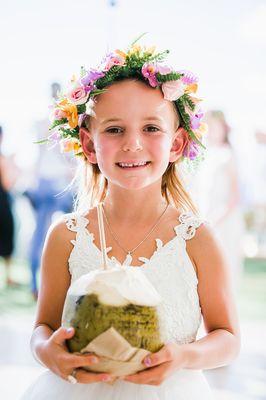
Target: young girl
x,y
133,120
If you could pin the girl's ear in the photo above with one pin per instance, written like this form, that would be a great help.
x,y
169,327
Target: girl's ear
x,y
179,143
87,145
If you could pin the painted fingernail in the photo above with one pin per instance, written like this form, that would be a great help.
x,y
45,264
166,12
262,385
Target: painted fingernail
x,y
106,378
147,361
69,330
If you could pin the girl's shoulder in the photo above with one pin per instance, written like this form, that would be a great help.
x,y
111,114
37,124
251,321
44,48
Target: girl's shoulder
x,y
59,233
205,251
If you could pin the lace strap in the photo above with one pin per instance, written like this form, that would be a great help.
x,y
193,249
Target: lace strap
x,y
75,223
188,225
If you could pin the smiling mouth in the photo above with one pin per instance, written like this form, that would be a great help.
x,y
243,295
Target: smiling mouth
x,y
140,164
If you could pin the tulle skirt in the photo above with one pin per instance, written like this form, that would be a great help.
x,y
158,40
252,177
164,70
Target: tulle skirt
x,y
182,385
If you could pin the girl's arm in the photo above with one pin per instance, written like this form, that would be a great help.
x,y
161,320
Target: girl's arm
x,y
48,338
222,342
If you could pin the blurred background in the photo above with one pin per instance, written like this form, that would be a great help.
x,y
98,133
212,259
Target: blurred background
x,y
42,44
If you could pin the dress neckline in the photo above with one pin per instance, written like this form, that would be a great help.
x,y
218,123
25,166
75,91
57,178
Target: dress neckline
x,y
146,261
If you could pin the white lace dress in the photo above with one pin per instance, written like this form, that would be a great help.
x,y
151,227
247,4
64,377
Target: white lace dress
x,y
171,272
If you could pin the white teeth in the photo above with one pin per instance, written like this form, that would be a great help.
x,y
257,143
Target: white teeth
x,y
133,164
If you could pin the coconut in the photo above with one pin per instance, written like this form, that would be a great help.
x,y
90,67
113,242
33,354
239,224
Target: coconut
x,y
119,298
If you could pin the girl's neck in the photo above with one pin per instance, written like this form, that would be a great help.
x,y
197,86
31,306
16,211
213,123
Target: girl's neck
x,y
134,205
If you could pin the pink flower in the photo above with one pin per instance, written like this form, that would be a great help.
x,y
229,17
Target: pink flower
x,y
78,95
172,90
163,69
149,71
58,114
113,59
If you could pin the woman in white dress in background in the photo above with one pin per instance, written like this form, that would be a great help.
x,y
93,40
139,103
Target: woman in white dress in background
x,y
219,197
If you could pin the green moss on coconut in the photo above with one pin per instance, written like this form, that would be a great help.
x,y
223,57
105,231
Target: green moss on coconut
x,y
139,325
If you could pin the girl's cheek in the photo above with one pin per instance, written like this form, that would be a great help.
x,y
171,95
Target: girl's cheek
x,y
163,147
105,154
103,146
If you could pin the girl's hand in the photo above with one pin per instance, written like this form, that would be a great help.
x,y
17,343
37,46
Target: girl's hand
x,y
58,359
160,365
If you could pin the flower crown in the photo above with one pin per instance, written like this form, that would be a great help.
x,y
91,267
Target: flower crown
x,y
138,62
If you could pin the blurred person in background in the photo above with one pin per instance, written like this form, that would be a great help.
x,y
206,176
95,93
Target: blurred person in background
x,y
52,176
220,200
8,176
259,193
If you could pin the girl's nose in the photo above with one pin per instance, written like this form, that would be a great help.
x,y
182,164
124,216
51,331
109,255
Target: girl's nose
x,y
132,143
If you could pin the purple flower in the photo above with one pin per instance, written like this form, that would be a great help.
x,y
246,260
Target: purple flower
x,y
55,135
91,77
89,88
149,71
195,120
188,77
191,150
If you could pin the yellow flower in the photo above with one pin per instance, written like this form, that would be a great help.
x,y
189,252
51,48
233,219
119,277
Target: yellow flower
x,y
134,49
195,100
77,149
202,130
192,88
121,54
71,112
67,145
73,79
150,50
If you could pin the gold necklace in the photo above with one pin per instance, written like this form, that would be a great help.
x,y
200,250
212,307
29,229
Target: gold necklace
x,y
130,252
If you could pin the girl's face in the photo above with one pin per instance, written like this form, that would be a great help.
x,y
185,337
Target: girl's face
x,y
133,135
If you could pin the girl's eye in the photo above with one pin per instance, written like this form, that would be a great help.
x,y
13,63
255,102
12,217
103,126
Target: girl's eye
x,y
114,130
152,128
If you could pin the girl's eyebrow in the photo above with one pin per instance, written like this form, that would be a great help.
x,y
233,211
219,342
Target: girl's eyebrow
x,y
105,121
152,118
155,118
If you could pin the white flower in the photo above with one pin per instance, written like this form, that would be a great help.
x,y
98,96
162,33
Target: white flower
x,y
89,108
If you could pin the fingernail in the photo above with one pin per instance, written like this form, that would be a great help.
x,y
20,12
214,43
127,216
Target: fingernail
x,y
94,360
147,361
69,330
106,378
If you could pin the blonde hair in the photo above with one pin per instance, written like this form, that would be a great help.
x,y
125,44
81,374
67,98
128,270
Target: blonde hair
x,y
93,186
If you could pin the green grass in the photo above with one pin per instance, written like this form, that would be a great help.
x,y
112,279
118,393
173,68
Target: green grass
x,y
251,296
16,300
252,293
